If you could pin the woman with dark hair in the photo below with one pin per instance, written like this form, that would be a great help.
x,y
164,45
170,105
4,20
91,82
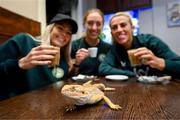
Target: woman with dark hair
x,y
84,64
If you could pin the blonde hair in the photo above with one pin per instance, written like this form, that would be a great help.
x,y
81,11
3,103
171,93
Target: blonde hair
x,y
125,14
45,39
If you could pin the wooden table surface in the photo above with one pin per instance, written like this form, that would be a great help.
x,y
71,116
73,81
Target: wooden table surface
x,y
138,101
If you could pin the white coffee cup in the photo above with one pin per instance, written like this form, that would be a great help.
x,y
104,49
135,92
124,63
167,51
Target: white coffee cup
x,y
93,51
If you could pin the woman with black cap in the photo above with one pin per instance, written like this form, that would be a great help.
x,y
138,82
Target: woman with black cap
x,y
25,62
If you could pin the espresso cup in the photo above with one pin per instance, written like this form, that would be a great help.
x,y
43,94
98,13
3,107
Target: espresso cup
x,y
93,51
134,61
56,59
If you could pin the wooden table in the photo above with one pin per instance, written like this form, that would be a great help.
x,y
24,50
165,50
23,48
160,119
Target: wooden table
x,y
138,101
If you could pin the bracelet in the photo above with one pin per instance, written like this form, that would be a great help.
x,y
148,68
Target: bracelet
x,y
75,65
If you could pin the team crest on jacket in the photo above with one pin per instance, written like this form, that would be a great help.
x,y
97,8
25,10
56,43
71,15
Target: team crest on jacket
x,y
101,57
123,64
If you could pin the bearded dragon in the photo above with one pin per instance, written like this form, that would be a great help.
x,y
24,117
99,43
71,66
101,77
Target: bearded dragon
x,y
87,93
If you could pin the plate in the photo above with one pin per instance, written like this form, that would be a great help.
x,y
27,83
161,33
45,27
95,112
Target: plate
x,y
77,78
117,77
154,79
83,78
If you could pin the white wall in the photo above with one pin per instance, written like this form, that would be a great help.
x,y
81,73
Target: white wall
x,y
155,21
79,11
36,10
33,9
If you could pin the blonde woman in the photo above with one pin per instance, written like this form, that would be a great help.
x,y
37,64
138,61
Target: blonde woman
x,y
154,56
26,63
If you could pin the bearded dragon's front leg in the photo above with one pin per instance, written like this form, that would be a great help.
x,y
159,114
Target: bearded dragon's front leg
x,y
111,105
70,108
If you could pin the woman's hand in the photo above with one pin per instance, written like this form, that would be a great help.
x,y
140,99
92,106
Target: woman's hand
x,y
40,55
81,54
148,58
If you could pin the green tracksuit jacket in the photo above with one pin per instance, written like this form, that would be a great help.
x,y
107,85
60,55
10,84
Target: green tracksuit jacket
x,y
117,62
14,80
89,66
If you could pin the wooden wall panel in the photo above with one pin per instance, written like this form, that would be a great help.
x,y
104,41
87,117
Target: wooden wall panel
x,y
12,23
109,6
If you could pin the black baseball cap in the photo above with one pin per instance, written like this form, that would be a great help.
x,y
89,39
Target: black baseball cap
x,y
61,17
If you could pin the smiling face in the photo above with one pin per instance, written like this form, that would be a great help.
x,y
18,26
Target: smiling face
x,y
93,25
61,34
122,30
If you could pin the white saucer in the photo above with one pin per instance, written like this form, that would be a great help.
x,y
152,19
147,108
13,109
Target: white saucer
x,y
78,78
117,77
81,77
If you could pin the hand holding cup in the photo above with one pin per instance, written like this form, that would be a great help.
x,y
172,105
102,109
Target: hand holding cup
x,y
40,55
81,54
147,57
